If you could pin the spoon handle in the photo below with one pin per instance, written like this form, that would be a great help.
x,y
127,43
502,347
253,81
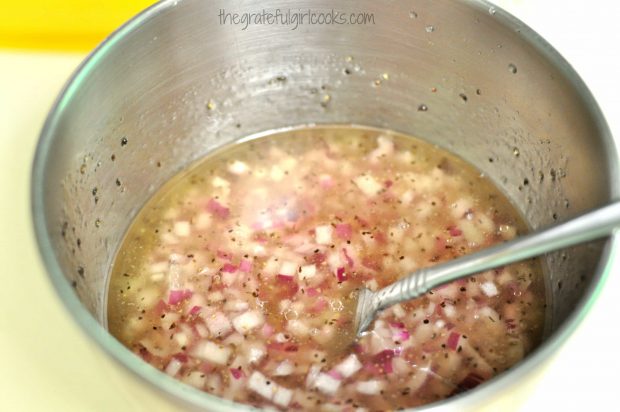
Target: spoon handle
x,y
592,225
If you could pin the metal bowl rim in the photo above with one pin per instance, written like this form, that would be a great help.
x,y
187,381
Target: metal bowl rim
x,y
200,399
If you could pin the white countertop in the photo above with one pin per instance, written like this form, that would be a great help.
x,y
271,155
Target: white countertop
x,y
48,362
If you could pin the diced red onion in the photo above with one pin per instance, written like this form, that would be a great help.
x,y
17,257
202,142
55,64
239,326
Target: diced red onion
x,y
218,324
245,265
181,357
318,258
371,263
318,306
453,340
335,374
312,292
229,268
195,310
347,257
237,373
177,296
384,358
455,231
282,347
285,278
469,382
161,307
344,231
402,336
224,255
341,275
217,209
267,330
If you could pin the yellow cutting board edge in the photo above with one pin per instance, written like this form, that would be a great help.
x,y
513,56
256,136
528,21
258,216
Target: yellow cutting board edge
x,y
71,25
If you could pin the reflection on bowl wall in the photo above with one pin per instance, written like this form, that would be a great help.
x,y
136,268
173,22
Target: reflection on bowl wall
x,y
177,82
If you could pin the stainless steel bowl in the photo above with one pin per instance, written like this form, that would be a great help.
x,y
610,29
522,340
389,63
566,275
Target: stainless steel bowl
x,y
174,83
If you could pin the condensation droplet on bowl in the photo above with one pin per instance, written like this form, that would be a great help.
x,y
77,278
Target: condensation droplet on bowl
x,y
422,108
512,68
492,11
376,82
385,76
516,152
429,29
348,59
98,223
211,105
413,15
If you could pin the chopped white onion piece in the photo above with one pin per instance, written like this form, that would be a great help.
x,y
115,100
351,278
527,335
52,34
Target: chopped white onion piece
x,y
159,267
284,368
449,310
248,321
368,185
209,351
326,384
238,167
174,366
298,328
398,311
261,385
323,234
216,296
218,324
288,268
276,173
372,285
282,396
307,271
182,228
489,289
219,182
236,305
349,366
313,373
202,221
181,338
371,387
255,354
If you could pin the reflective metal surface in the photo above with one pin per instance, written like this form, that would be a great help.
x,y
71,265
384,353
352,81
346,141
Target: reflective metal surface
x,y
174,83
593,225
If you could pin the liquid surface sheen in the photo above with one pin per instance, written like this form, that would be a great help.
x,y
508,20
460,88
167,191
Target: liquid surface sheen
x,y
235,275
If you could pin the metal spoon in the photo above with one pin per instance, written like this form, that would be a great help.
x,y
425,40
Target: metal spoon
x,y
593,225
